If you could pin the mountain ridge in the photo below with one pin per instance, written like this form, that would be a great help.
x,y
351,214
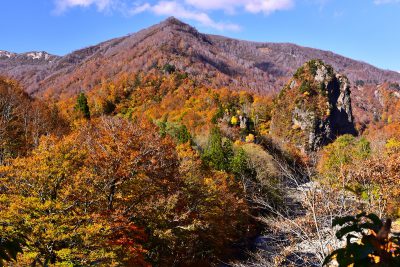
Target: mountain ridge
x,y
213,60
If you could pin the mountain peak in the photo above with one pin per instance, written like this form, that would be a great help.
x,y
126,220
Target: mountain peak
x,y
174,21
6,54
212,60
32,55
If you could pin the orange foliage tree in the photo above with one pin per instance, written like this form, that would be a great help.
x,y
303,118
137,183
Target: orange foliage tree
x,y
116,192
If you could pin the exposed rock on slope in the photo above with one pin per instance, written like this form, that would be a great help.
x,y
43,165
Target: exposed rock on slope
x,y
28,68
313,108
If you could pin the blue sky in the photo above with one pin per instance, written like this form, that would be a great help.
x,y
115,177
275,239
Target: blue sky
x,y
367,30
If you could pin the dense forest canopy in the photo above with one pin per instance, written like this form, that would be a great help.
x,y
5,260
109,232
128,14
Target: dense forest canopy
x,y
158,169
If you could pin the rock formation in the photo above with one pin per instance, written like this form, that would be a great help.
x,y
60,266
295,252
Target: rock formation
x,y
313,108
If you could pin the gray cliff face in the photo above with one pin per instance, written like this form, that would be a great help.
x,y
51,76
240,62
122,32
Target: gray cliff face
x,y
342,115
317,105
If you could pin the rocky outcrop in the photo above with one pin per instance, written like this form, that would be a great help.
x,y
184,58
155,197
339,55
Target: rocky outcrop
x,y
313,108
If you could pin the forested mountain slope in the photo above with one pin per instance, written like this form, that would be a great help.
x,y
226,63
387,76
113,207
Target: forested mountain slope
x,y
213,60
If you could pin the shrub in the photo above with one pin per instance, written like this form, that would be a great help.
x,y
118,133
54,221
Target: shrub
x,y
368,242
341,153
177,131
169,68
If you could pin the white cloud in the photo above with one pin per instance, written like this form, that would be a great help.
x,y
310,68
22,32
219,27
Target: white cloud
x,y
139,9
173,8
268,6
63,5
253,6
195,10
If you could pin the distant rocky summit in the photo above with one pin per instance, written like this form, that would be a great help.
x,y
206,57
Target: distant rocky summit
x,y
313,108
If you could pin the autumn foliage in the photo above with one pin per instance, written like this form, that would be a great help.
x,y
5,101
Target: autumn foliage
x,y
155,169
115,192
23,120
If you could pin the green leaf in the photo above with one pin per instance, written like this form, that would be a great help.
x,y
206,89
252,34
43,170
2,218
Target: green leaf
x,y
347,229
362,214
342,220
370,226
344,259
375,219
349,237
360,252
330,257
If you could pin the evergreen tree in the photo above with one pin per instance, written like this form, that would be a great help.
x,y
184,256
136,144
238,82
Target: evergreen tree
x,y
183,136
219,152
239,165
178,131
83,106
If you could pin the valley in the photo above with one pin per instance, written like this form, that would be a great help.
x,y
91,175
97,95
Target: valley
x,y
170,147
